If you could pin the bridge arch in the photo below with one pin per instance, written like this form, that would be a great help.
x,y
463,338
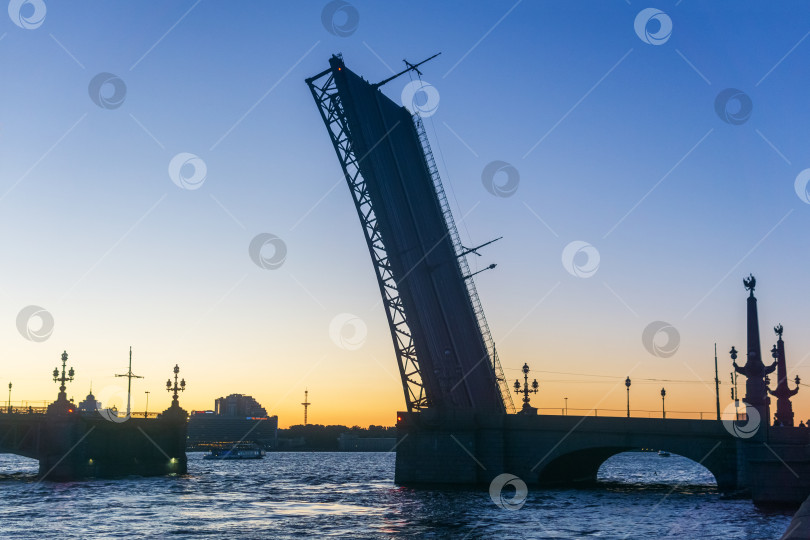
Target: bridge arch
x,y
581,465
570,450
648,466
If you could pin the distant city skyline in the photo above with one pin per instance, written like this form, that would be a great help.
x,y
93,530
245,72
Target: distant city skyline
x,y
167,184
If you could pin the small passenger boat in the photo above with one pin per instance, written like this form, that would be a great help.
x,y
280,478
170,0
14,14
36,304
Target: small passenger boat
x,y
236,452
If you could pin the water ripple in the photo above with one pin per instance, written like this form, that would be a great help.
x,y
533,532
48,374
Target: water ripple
x,y
352,495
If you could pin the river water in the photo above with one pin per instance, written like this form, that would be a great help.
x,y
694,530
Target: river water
x,y
352,495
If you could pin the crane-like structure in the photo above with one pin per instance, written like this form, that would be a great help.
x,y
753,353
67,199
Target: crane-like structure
x,y
444,349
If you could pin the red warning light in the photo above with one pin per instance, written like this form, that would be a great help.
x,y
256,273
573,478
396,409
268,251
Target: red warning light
x,y
340,69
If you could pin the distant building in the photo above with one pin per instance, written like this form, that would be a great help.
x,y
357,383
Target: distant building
x,y
238,405
235,419
89,405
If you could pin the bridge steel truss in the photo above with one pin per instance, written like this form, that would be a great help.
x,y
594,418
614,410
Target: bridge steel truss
x,y
325,93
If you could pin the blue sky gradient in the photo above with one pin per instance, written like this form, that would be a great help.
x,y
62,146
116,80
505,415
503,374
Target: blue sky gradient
x,y
616,141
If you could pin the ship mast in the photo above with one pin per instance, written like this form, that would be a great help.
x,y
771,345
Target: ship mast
x,y
129,375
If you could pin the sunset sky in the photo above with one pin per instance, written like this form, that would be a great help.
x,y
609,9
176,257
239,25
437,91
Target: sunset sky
x,y
623,134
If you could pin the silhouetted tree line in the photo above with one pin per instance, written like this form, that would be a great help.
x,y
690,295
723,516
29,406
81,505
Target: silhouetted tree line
x,y
325,438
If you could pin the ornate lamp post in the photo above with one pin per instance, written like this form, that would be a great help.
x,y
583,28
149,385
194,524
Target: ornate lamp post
x,y
527,409
176,388
767,380
663,403
627,384
734,395
63,378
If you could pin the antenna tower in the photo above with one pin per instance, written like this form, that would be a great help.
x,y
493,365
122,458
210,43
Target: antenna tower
x,y
306,405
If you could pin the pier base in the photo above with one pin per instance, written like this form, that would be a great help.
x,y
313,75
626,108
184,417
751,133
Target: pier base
x,y
75,446
459,447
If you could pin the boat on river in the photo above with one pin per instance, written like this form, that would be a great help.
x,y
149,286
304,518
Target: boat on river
x,y
236,452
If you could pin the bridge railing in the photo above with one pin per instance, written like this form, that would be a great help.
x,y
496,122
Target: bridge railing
x,y
643,413
42,409
23,408
134,414
144,415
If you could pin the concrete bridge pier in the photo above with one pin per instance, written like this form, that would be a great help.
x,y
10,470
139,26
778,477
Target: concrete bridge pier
x,y
60,452
462,447
72,446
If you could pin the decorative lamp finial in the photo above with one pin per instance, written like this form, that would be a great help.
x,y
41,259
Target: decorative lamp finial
x,y
750,283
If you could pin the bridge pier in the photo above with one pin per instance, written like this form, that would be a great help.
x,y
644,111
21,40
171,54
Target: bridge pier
x,y
73,446
466,448
778,466
60,452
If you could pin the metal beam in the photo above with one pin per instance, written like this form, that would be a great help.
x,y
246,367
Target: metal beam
x,y
325,93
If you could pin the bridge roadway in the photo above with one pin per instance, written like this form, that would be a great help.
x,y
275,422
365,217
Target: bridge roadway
x,y
20,433
461,447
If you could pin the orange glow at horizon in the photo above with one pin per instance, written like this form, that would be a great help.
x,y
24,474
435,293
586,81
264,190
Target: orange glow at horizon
x,y
373,394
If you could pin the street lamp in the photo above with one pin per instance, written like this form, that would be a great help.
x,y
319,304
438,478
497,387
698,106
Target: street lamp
x,y
627,384
566,406
526,390
9,398
146,410
177,388
64,378
663,403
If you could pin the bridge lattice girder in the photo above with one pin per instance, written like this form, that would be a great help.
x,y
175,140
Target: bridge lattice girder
x,y
445,352
325,92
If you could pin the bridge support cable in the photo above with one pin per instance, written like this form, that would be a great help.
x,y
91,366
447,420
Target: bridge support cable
x,y
461,253
325,93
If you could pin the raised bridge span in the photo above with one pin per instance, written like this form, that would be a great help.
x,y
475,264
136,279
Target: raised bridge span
x,y
457,428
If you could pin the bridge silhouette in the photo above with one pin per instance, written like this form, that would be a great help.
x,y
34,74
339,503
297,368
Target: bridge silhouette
x,y
20,432
553,450
71,441
76,445
457,428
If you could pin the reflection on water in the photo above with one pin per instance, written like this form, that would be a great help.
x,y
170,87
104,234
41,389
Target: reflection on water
x,y
289,495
